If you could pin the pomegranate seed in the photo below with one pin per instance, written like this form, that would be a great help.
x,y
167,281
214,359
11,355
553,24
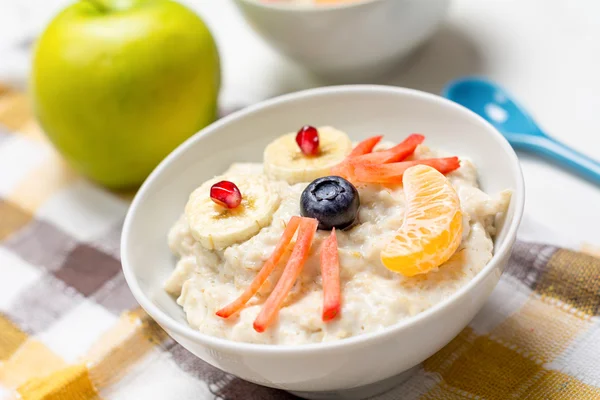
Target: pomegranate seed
x,y
226,194
308,140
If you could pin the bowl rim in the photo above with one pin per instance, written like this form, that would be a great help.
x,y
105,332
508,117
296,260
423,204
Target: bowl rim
x,y
183,329
309,8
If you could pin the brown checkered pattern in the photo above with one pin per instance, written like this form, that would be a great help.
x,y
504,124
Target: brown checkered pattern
x,y
70,329
71,272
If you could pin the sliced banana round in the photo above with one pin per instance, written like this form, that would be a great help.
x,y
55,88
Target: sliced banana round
x,y
217,227
283,159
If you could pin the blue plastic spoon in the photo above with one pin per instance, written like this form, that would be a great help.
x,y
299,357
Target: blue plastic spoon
x,y
495,105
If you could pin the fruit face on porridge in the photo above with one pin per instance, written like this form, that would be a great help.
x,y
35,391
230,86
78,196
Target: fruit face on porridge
x,y
327,239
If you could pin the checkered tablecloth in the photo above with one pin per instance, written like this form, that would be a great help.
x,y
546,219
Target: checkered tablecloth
x,y
70,329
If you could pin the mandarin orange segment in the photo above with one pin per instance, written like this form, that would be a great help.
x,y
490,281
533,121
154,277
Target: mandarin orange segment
x,y
432,227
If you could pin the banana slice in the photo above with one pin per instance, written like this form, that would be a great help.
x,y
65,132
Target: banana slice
x,y
217,227
283,159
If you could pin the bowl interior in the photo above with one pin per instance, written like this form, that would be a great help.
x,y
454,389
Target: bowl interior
x,y
361,111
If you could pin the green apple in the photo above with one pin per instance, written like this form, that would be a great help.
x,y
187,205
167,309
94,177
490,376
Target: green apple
x,y
118,84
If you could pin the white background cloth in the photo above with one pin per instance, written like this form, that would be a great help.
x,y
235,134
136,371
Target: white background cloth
x,y
545,52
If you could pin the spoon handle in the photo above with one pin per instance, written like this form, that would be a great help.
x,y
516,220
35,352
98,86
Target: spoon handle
x,y
559,152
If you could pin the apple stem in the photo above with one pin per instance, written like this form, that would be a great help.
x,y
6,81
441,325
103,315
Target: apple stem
x,y
98,4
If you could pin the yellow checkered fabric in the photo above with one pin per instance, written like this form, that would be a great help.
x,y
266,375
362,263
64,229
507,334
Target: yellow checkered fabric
x,y
70,330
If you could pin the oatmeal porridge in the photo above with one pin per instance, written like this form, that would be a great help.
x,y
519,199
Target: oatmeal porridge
x,y
233,226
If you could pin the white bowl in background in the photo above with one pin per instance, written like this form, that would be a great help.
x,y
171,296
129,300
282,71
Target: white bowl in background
x,y
348,41
353,367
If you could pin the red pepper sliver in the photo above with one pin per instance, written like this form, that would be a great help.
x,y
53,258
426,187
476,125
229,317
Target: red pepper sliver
x,y
364,147
265,271
394,154
330,273
392,173
270,310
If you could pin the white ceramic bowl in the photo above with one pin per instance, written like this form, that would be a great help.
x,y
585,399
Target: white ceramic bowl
x,y
347,41
351,367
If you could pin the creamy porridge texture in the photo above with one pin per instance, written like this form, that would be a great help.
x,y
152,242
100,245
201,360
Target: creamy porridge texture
x,y
373,297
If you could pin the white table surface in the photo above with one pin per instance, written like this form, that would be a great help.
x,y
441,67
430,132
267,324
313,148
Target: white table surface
x,y
545,52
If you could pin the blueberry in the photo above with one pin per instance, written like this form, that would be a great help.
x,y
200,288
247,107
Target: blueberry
x,y
332,200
